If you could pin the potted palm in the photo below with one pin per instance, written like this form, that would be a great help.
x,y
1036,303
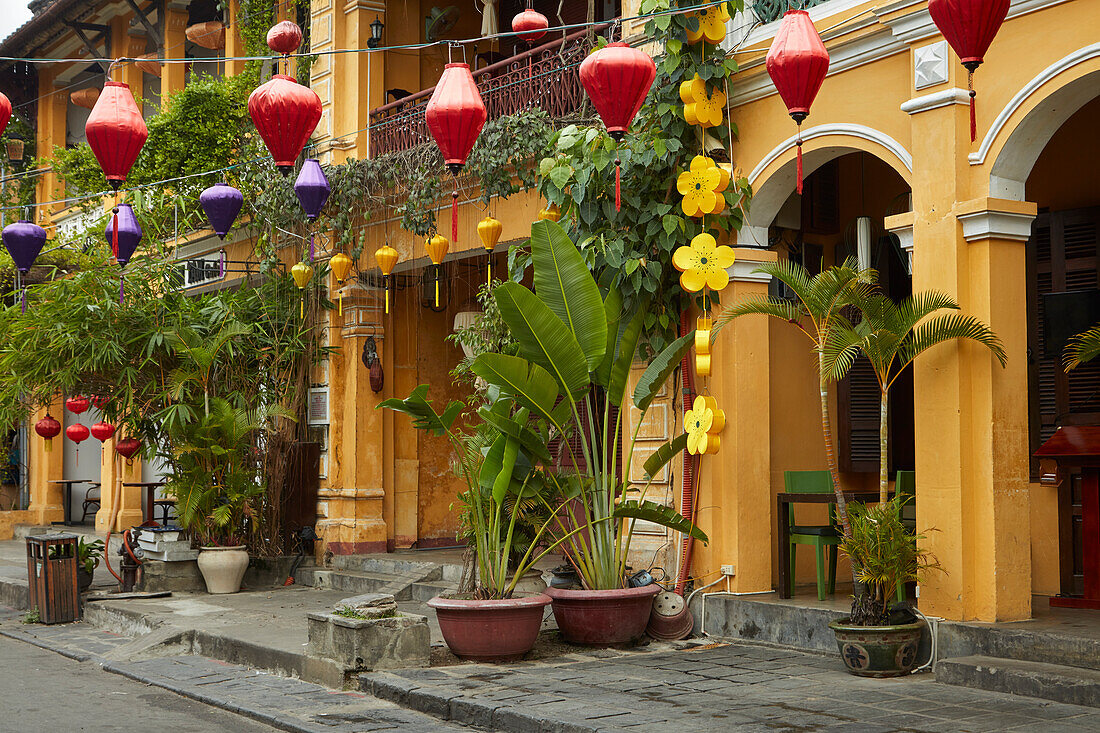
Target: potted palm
x,y
88,555
876,640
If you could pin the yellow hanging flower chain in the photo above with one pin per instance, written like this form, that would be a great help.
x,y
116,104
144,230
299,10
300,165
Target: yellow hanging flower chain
x,y
699,108
702,185
712,24
703,422
703,263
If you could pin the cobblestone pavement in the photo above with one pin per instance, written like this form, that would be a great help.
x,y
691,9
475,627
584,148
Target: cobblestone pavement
x,y
729,688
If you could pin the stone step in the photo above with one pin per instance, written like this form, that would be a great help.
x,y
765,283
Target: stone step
x,y
1058,682
389,565
1019,641
401,587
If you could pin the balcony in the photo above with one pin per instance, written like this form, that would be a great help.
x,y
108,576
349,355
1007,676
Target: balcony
x,y
769,10
544,77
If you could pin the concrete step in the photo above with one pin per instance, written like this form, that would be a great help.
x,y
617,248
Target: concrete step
x,y
1019,641
401,587
1059,682
389,565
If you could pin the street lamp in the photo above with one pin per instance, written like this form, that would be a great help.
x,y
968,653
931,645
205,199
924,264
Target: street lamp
x,y
376,29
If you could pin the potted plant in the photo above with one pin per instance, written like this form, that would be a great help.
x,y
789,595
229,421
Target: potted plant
x,y
575,348
876,640
87,560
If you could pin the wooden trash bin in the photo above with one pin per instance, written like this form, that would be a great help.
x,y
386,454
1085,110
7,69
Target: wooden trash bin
x,y
51,572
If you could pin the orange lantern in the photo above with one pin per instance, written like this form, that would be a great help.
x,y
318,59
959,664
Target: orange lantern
x,y
210,34
149,63
550,213
341,266
437,247
386,257
85,98
489,229
301,273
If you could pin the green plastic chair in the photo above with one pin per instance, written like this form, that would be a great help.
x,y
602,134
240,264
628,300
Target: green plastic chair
x,y
905,486
819,536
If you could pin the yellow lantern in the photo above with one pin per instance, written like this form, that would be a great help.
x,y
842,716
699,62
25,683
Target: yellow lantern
x,y
489,230
702,365
702,335
301,273
386,257
437,247
550,213
341,266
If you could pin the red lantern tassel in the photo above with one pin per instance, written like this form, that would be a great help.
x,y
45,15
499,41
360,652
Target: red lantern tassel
x,y
798,184
618,185
454,213
973,120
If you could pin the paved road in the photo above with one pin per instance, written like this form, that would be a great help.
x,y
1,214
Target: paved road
x,y
43,692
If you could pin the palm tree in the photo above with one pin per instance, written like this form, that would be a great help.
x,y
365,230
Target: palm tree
x,y
816,310
891,335
1081,348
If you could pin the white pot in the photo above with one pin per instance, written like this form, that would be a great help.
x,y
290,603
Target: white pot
x,y
531,582
223,568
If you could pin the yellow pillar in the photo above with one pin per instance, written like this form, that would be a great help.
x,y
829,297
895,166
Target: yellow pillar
x,y
52,111
364,71
172,77
734,495
45,466
970,415
234,45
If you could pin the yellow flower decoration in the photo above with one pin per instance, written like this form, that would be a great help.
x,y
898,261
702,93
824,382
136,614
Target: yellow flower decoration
x,y
703,262
699,109
712,24
703,422
702,186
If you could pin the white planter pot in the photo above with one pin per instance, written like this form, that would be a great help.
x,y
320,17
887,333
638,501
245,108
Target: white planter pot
x,y
531,582
223,568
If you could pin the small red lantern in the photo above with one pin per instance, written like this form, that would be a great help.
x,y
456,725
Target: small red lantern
x,y
5,112
285,114
77,433
98,401
530,25
617,78
77,405
797,63
48,428
128,447
102,431
284,37
969,26
116,131
455,115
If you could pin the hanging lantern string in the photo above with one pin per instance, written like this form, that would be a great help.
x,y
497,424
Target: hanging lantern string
x,y
973,94
798,173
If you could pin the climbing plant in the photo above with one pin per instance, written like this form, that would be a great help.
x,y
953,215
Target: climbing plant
x,y
635,244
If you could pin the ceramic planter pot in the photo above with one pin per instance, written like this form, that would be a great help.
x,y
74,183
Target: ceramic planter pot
x,y
223,568
877,651
83,579
493,630
603,617
531,583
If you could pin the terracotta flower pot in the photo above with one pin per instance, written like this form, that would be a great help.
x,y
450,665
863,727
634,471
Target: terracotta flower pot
x,y
877,651
490,631
603,617
223,568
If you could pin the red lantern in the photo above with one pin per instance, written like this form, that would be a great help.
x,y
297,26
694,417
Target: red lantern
x,y
617,78
285,114
530,25
284,37
103,431
99,401
77,433
969,26
116,131
455,115
128,447
48,428
77,405
797,63
5,112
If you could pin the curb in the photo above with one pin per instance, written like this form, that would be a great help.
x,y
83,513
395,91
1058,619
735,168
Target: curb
x,y
55,648
275,721
15,593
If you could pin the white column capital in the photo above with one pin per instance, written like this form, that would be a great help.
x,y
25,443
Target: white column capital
x,y
996,219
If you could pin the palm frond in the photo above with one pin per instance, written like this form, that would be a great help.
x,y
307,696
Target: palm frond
x,y
784,310
842,346
1082,348
946,328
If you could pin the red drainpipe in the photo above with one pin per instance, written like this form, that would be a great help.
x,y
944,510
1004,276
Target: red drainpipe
x,y
687,489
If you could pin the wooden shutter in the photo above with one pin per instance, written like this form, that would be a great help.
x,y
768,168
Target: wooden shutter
x,y
1061,257
858,419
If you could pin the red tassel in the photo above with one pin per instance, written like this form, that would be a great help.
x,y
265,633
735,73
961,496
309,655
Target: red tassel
x,y
454,214
618,184
798,184
114,236
973,120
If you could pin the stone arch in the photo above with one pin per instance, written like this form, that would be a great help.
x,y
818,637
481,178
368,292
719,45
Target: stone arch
x,y
773,178
1033,116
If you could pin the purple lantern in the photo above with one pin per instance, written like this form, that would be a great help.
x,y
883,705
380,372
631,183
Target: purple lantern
x,y
129,234
222,203
123,234
24,241
313,190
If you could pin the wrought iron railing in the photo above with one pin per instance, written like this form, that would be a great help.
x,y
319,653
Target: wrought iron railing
x,y
544,77
769,10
